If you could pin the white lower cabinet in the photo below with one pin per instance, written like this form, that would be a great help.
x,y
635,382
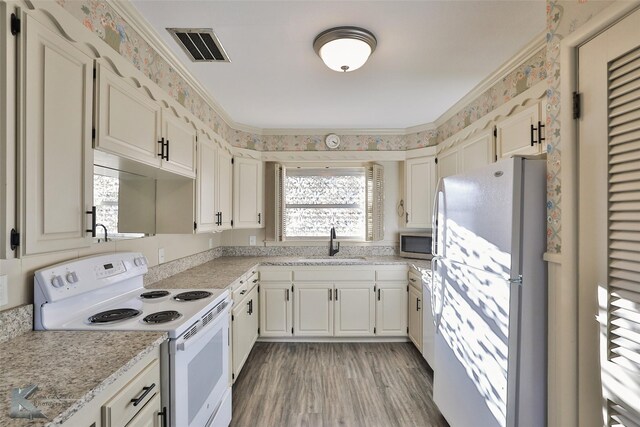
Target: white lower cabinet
x,y
313,310
354,309
335,301
415,315
244,324
276,309
391,309
132,400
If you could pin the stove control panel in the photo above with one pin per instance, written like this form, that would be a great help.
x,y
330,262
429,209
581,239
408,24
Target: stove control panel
x,y
76,277
109,269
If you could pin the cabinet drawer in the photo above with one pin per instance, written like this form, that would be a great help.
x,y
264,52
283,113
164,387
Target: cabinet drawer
x,y
275,275
240,291
120,409
148,416
333,275
415,280
253,280
391,275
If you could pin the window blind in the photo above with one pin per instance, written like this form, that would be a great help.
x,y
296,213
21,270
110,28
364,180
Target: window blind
x,y
375,202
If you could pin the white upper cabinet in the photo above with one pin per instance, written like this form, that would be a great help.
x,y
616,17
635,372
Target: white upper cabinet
x,y
179,146
127,120
58,158
448,162
420,181
206,185
132,125
477,152
224,188
248,189
520,133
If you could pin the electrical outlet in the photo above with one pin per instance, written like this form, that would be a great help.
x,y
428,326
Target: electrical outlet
x,y
4,292
210,243
252,240
160,255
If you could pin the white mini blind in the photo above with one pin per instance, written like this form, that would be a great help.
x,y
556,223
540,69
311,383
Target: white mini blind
x,y
375,202
623,326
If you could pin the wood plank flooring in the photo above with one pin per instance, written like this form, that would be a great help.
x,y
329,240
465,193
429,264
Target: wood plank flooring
x,y
335,384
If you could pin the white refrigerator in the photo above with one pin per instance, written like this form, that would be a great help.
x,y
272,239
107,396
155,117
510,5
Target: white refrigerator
x,y
489,296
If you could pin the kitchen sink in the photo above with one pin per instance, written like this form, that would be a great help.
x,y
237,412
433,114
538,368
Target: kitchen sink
x,y
333,259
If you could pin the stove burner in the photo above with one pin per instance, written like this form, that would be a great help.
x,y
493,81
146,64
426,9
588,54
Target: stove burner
x,y
114,315
162,317
192,295
154,294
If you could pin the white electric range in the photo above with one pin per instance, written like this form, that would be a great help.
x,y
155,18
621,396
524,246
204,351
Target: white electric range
x,y
106,292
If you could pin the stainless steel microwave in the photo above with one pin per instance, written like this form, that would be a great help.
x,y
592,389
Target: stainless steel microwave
x,y
415,245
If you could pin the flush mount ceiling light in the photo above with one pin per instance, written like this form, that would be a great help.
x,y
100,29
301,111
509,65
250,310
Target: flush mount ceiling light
x,y
345,49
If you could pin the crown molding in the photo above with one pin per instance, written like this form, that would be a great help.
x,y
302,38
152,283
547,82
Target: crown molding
x,y
537,43
128,11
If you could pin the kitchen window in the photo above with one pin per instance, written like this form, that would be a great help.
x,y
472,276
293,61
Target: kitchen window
x,y
311,200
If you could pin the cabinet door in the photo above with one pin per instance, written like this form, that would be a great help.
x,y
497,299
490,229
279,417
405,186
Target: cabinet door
x,y
313,310
448,163
428,327
420,180
275,310
391,309
224,189
415,316
247,193
254,323
205,185
58,158
181,140
149,415
355,309
127,120
514,133
241,334
477,152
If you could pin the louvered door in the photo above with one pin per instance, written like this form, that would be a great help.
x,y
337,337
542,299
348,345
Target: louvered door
x,y
623,329
609,181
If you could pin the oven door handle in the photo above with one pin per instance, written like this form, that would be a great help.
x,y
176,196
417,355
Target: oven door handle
x,y
204,332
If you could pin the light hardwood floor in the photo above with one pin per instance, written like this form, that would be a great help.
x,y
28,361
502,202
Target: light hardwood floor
x,y
335,384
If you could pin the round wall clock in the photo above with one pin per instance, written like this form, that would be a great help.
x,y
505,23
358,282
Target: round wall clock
x,y
332,140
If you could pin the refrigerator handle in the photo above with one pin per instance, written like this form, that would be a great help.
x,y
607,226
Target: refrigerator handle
x,y
434,262
434,218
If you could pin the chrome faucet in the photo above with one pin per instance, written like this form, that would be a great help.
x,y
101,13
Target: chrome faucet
x,y
106,236
332,235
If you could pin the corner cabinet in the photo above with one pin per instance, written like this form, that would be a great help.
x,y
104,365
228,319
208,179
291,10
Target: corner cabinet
x,y
420,183
248,190
206,180
224,188
244,322
523,133
56,116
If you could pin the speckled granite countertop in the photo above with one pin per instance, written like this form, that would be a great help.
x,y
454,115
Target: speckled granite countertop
x,y
222,272
69,368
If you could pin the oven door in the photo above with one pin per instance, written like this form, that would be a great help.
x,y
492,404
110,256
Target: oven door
x,y
199,371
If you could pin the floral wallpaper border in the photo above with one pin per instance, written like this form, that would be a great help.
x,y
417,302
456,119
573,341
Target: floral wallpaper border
x,y
100,18
563,17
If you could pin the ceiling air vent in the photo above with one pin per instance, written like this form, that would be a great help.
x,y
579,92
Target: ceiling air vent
x,y
200,44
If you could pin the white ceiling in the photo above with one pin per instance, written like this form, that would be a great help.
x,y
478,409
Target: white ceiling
x,y
429,55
